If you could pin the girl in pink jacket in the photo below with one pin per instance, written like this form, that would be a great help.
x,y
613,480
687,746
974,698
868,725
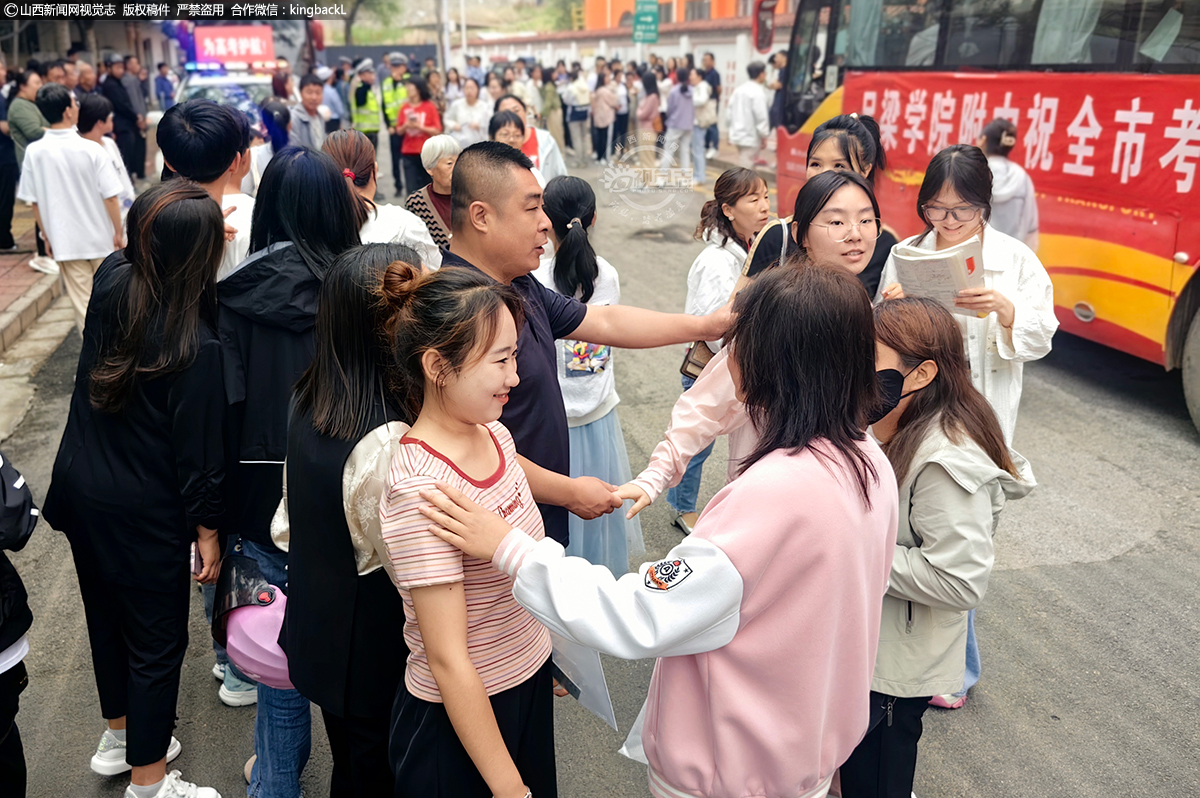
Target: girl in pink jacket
x,y
766,619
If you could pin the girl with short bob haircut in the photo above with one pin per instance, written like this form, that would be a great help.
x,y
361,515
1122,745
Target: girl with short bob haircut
x,y
138,476
835,220
846,143
474,718
955,474
740,208
955,203
586,373
715,722
343,612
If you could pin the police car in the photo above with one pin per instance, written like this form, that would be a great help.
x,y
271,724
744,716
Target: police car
x,y
242,90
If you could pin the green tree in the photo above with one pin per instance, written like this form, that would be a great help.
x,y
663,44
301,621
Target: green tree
x,y
380,8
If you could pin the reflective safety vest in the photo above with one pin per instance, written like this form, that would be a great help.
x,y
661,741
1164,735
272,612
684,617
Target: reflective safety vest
x,y
365,117
394,96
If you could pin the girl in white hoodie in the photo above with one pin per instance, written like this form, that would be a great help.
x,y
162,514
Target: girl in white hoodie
x,y
1014,202
740,208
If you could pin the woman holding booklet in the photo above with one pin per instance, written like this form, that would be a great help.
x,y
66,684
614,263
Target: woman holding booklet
x,y
1017,298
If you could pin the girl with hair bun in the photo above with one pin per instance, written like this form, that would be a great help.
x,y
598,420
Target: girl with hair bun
x,y
377,224
1014,202
846,143
474,718
740,208
585,373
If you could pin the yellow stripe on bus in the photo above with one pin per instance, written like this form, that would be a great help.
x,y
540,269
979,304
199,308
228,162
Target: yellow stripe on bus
x,y
830,107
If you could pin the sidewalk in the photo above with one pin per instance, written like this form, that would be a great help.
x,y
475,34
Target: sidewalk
x,y
24,293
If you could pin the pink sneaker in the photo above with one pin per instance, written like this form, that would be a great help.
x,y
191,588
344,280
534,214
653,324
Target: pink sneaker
x,y
948,701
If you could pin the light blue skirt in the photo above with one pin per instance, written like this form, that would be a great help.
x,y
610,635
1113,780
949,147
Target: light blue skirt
x,y
598,450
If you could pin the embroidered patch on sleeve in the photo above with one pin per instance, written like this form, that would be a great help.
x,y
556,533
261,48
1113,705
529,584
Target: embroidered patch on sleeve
x,y
667,574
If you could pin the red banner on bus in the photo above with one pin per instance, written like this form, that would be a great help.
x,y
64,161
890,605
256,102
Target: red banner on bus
x,y
1078,134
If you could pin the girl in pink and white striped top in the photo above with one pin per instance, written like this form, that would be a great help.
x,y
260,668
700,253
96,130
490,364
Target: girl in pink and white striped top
x,y
475,718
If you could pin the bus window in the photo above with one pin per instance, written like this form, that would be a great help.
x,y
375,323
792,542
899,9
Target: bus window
x,y
895,33
1169,33
1079,32
806,61
988,33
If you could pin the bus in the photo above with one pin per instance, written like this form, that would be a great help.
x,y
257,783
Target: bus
x,y
1106,98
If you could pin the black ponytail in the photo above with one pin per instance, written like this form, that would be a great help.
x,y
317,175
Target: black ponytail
x,y
571,205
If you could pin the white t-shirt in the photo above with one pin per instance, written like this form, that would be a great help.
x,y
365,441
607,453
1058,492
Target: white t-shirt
x,y
391,224
585,371
127,195
260,156
237,249
69,178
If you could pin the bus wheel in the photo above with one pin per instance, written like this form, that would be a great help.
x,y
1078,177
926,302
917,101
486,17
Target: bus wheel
x,y
1191,370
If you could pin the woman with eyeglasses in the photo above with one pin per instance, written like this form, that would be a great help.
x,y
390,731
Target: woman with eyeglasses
x,y
955,202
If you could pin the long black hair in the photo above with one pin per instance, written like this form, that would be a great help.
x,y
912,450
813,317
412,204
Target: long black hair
x,y
287,208
816,193
965,169
276,117
804,341
571,205
176,241
352,369
858,138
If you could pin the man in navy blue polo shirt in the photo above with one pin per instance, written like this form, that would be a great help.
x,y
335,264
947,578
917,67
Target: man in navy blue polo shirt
x,y
500,229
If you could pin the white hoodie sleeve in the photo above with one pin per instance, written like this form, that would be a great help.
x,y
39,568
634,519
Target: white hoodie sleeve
x,y
687,603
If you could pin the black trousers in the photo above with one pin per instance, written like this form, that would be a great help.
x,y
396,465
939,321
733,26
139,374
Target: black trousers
x,y
9,173
127,144
885,762
620,132
428,760
138,639
398,168
12,755
360,755
415,176
139,155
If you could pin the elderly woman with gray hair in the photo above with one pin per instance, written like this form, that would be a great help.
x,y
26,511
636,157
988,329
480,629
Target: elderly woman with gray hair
x,y
432,203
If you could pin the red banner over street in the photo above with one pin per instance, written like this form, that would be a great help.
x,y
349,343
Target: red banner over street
x,y
230,44
1078,134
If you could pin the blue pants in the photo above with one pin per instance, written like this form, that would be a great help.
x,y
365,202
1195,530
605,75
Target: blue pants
x,y
682,497
712,138
283,726
973,665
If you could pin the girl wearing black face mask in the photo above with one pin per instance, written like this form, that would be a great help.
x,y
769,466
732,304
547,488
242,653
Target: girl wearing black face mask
x,y
836,221
955,473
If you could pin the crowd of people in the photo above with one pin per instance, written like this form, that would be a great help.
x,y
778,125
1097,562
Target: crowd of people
x,y
391,435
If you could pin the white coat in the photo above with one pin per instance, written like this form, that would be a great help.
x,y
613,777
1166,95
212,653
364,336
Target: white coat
x,y
749,120
714,273
997,354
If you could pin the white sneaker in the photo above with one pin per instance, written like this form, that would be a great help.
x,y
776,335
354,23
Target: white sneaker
x,y
218,671
711,153
173,786
44,265
237,693
109,759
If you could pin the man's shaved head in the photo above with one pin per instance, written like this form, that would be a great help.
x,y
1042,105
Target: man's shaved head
x,y
483,173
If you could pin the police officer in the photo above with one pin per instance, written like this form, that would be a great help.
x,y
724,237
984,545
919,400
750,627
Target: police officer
x,y
395,94
364,103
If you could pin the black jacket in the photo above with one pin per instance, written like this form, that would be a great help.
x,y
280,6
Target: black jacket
x,y
343,632
124,115
18,517
267,311
138,482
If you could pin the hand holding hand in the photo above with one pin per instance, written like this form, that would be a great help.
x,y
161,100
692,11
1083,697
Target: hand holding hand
x,y
641,500
462,523
592,498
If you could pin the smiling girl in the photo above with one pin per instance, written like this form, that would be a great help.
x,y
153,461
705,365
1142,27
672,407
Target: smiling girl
x,y
475,716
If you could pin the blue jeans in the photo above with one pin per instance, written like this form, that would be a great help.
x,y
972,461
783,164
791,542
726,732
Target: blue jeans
x,y
283,725
973,665
682,497
698,170
712,137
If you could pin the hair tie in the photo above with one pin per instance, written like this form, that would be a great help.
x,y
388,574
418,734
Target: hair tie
x,y
574,221
854,115
349,174
1008,140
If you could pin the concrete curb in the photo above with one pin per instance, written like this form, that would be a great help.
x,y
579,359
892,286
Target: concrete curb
x,y
21,314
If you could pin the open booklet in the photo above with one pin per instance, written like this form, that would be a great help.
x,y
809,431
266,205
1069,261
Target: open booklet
x,y
941,275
